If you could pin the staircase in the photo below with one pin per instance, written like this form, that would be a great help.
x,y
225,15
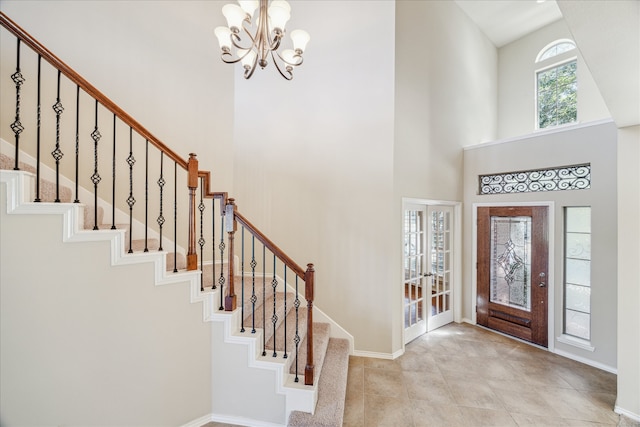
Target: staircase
x,y
260,310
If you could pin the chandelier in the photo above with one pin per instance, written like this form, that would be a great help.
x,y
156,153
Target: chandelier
x,y
263,36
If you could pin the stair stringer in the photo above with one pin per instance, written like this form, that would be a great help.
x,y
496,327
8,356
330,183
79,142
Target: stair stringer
x,y
298,397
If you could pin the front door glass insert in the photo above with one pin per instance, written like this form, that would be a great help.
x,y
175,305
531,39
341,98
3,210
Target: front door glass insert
x,y
510,279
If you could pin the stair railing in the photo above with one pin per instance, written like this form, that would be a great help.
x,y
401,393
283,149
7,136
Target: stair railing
x,y
137,139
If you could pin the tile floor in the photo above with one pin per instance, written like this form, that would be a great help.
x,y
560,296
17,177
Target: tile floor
x,y
464,376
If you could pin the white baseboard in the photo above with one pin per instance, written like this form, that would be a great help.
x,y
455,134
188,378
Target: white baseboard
x,y
376,355
628,414
226,419
586,361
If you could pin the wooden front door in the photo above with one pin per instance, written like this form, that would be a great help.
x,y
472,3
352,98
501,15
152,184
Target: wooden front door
x,y
512,271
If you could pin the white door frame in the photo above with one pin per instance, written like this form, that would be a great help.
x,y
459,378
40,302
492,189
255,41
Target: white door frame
x,y
551,270
456,271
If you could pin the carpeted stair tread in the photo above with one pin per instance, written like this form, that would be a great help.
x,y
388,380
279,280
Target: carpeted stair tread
x,y
290,330
332,389
268,330
47,188
321,336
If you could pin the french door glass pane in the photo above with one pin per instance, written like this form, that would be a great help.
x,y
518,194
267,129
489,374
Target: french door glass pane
x,y
510,280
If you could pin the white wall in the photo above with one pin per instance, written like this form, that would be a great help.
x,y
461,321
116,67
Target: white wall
x,y
314,160
85,343
628,400
595,144
446,95
517,87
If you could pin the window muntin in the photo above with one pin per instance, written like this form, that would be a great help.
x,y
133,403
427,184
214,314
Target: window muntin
x,y
577,272
556,48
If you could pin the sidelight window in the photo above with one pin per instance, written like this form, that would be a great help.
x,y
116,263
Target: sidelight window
x,y
577,272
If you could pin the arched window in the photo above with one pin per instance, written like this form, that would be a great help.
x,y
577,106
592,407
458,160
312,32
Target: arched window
x,y
556,85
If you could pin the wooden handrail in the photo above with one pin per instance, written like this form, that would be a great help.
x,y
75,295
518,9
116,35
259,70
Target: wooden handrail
x,y
88,87
271,246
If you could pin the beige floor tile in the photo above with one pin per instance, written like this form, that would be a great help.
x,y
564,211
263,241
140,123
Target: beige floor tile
x,y
474,393
414,361
528,420
384,382
372,362
426,414
529,402
354,411
479,417
462,375
428,387
382,411
571,404
355,381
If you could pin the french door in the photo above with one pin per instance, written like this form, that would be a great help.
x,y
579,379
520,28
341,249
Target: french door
x,y
415,271
512,271
439,273
427,284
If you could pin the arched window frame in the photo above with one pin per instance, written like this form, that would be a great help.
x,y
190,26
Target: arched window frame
x,y
556,61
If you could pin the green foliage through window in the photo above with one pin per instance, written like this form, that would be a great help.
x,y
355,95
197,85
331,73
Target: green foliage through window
x,y
557,95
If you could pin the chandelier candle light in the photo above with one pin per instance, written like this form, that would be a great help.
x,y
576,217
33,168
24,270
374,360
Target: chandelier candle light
x,y
264,34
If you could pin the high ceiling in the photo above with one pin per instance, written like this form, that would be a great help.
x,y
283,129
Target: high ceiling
x,y
504,21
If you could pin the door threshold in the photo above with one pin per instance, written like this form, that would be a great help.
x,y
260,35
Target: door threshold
x,y
513,338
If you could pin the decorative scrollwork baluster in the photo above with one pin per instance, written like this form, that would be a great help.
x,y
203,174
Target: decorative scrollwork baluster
x,y
242,281
95,178
254,299
131,200
77,199
296,338
57,153
274,317
38,126
221,279
201,240
16,126
161,184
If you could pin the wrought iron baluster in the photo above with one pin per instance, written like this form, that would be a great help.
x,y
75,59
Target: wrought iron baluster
x,y
242,282
131,200
38,126
161,183
296,338
146,196
113,189
274,318
57,153
77,199
213,242
95,178
201,241
284,312
175,217
264,300
221,246
16,126
253,284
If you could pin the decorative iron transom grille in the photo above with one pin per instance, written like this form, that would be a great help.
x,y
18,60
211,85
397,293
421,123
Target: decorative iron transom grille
x,y
576,177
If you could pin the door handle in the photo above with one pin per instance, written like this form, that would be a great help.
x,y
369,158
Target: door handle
x,y
427,274
542,283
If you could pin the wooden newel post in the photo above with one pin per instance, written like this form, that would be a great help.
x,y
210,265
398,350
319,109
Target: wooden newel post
x,y
308,294
192,183
231,226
